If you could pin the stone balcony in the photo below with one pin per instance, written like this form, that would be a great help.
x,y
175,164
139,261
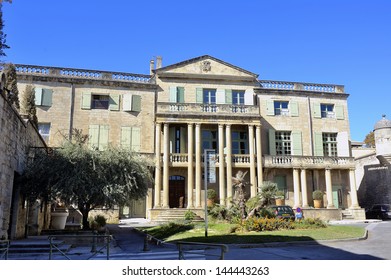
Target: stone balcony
x,y
313,162
243,160
198,109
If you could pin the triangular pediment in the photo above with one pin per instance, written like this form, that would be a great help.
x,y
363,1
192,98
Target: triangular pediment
x,y
205,66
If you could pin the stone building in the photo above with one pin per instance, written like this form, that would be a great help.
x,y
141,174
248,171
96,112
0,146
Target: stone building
x,y
295,134
373,168
18,137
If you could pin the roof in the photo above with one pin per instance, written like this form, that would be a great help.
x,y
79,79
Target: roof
x,y
383,123
200,58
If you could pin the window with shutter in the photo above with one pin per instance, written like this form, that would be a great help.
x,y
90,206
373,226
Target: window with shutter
x,y
294,109
269,107
127,102
38,96
316,112
297,148
47,97
339,112
318,144
272,142
114,102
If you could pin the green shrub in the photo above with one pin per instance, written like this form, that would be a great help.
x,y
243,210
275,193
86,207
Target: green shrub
x,y
189,215
310,223
98,222
218,212
267,224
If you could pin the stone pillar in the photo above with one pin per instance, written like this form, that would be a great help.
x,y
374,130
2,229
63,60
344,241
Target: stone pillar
x,y
251,144
296,188
166,159
158,167
353,190
222,193
229,161
304,194
190,171
329,189
258,138
198,166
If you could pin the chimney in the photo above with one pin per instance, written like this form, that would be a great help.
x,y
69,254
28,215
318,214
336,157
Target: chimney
x,y
151,66
158,62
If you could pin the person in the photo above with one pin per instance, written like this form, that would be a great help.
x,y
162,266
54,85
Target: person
x,y
299,214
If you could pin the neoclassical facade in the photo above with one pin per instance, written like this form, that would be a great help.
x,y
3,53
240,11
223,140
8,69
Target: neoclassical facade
x,y
294,134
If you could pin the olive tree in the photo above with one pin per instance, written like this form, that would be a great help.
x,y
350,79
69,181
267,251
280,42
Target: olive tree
x,y
86,177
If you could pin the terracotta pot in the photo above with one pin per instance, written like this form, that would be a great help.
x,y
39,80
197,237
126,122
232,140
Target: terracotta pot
x,y
317,203
280,201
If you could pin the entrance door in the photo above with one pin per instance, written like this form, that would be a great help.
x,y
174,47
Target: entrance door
x,y
337,199
177,192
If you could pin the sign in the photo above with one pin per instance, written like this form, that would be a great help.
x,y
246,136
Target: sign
x,y
210,163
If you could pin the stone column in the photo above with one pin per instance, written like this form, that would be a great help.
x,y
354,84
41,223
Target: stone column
x,y
258,138
166,159
222,193
304,194
296,188
329,189
251,149
190,171
353,190
198,167
229,161
158,167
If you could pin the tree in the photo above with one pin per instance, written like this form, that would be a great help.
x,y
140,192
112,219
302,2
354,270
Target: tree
x,y
27,105
3,44
370,139
87,178
12,84
266,193
239,198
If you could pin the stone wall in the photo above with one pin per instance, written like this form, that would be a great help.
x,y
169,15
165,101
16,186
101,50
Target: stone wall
x,y
16,137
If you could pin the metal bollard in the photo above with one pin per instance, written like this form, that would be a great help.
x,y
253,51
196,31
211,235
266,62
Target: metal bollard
x,y
146,245
93,249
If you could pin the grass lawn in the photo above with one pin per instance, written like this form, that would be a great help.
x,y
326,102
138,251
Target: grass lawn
x,y
223,233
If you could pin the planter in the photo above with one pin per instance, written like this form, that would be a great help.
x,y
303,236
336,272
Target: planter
x,y
59,219
280,201
317,203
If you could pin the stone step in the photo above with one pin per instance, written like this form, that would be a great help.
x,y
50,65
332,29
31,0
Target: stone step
x,y
31,246
173,215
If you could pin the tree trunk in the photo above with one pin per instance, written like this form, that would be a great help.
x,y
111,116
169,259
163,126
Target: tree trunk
x,y
85,209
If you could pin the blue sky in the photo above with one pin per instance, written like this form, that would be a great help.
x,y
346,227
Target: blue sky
x,y
325,41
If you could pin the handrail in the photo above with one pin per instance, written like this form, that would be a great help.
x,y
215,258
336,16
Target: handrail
x,y
94,250
182,244
4,247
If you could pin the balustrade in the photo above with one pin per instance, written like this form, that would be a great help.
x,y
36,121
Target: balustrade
x,y
307,161
282,85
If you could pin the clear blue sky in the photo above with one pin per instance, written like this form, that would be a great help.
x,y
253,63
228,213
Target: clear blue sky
x,y
325,41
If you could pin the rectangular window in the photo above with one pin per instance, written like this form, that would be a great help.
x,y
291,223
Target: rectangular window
x,y
98,136
239,142
327,111
283,143
44,130
281,108
130,138
209,139
43,97
100,101
330,144
209,96
238,97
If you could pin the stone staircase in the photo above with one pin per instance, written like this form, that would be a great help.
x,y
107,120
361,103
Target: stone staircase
x,y
347,215
35,245
173,215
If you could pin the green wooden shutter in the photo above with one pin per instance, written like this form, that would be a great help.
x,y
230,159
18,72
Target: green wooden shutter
x,y
183,140
114,102
269,107
86,100
136,139
126,133
199,95
294,108
181,94
272,142
136,103
103,137
339,114
318,144
220,96
228,96
173,94
93,134
297,149
127,102
47,97
38,96
316,110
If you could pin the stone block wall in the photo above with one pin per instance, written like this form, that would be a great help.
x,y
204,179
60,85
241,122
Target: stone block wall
x,y
16,137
